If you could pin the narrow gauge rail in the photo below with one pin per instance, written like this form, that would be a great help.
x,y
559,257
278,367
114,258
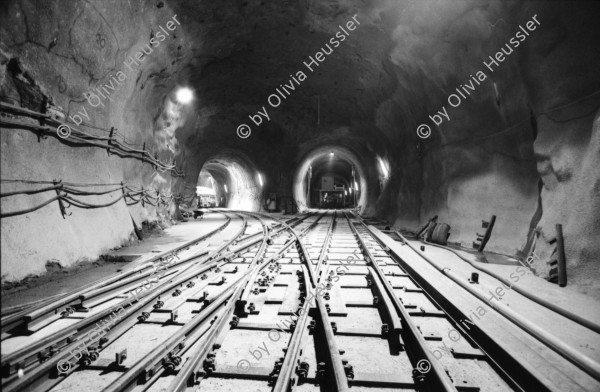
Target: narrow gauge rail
x,y
312,304
352,336
566,367
22,351
32,360
51,308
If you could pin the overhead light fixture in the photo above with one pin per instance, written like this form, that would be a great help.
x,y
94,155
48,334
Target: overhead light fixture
x,y
225,186
260,180
356,186
345,192
184,95
350,189
383,166
331,154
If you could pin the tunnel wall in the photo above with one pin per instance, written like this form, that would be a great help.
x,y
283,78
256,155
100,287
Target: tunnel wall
x,y
522,146
59,50
567,147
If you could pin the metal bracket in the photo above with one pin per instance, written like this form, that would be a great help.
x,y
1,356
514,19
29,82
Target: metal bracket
x,y
63,208
112,131
482,240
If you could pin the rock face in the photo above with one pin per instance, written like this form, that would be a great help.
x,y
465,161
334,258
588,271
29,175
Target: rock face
x,y
517,138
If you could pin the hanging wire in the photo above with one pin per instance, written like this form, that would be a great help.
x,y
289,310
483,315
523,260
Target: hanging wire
x,y
65,191
76,135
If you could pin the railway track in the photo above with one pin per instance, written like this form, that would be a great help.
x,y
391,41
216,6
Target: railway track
x,y
34,337
48,310
316,303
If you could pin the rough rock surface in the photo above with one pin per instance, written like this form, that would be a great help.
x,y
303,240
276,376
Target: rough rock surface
x,y
522,146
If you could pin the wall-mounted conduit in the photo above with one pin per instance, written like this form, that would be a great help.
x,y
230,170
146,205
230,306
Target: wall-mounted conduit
x,y
65,191
50,127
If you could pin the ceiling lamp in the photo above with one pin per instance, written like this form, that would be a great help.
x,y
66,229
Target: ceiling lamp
x,y
184,95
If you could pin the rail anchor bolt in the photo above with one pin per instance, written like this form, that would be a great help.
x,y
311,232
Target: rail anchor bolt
x,y
121,357
474,278
321,369
385,330
418,376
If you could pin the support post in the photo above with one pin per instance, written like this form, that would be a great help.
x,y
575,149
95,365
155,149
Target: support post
x,y
112,131
61,205
562,262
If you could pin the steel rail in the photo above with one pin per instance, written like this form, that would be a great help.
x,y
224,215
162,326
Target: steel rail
x,y
515,371
144,302
197,336
284,378
23,308
288,366
243,300
25,353
584,362
193,260
334,359
190,368
78,328
335,364
303,252
302,246
51,307
175,341
324,247
532,296
395,326
437,377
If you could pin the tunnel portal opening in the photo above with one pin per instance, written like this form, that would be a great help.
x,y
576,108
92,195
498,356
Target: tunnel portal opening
x,y
330,177
209,192
231,181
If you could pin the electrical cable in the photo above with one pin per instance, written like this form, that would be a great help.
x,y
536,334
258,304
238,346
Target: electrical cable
x,y
66,116
30,192
81,204
84,193
68,189
28,210
76,135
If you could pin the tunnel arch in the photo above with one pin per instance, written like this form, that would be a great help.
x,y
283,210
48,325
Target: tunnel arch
x,y
321,156
236,180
